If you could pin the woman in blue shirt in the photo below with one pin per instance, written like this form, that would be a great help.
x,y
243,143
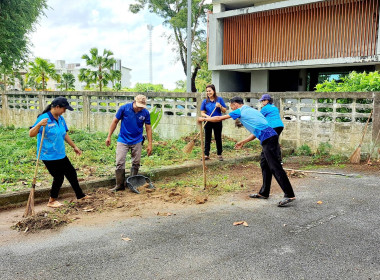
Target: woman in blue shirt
x,y
214,105
272,115
53,152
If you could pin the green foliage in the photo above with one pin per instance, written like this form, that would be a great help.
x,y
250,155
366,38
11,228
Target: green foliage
x,y
155,117
101,69
40,71
304,150
147,87
324,149
17,21
353,82
174,14
67,82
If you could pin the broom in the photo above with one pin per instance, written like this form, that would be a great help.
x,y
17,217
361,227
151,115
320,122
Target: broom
x,y
355,157
29,211
373,148
189,146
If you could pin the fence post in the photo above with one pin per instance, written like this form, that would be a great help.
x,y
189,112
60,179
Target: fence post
x,y
86,111
41,100
375,115
5,108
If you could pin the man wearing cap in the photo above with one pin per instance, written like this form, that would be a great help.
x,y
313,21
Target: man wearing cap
x,y
133,116
259,128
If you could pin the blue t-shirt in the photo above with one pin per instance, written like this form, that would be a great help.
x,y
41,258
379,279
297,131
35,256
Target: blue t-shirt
x,y
272,114
210,106
53,146
254,122
132,124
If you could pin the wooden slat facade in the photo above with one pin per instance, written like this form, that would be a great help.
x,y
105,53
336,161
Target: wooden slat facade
x,y
323,30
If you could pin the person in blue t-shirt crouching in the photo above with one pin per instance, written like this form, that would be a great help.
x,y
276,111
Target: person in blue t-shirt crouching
x,y
133,116
256,124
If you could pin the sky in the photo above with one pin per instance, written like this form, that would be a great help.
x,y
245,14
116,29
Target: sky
x,y
72,27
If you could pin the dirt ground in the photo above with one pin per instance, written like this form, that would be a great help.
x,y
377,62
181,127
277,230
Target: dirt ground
x,y
170,194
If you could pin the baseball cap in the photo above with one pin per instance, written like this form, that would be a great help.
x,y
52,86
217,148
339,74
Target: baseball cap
x,y
265,97
62,102
140,101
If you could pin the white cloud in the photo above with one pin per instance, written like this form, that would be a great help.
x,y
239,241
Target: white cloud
x,y
73,27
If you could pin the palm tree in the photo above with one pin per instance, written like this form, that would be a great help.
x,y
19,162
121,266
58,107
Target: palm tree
x,y
67,81
40,71
103,72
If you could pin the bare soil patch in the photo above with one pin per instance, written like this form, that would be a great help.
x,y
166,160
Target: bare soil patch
x,y
169,195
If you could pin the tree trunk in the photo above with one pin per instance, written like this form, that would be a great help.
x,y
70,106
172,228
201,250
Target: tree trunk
x,y
193,77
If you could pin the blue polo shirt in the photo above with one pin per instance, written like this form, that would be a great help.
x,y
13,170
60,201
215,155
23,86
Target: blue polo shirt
x,y
254,122
53,146
272,114
132,124
210,105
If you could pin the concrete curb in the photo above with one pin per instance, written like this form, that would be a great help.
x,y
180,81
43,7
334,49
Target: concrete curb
x,y
20,198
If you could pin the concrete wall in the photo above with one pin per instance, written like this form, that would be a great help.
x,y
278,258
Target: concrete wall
x,y
310,118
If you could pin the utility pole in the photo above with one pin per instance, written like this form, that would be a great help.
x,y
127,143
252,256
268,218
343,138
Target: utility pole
x,y
188,61
150,28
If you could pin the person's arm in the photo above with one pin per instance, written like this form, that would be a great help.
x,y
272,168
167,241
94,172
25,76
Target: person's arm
x,y
113,126
72,144
203,114
241,143
148,129
214,119
34,130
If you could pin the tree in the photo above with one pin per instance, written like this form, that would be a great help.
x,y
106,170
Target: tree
x,y
40,71
67,81
17,20
174,13
101,72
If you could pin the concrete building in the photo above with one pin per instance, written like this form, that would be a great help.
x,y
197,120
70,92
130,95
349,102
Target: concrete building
x,y
74,68
263,45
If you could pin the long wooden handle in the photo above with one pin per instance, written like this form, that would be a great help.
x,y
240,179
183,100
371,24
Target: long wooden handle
x,y
38,156
365,128
196,136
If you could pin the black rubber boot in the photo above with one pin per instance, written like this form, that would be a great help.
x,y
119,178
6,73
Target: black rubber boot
x,y
120,180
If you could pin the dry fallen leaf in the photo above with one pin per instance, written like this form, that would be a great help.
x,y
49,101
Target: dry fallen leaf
x,y
88,210
319,202
244,223
126,239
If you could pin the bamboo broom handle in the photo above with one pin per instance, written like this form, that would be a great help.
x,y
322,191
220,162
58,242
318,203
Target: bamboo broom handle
x,y
38,156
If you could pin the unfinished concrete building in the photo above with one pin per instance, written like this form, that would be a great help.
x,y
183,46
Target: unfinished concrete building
x,y
277,46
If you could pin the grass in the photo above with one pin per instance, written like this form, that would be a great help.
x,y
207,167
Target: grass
x,y
18,156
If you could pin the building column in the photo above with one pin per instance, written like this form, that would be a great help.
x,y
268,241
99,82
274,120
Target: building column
x,y
260,81
302,78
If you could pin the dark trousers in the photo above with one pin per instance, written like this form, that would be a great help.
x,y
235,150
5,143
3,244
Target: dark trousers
x,y
59,169
278,131
217,127
271,165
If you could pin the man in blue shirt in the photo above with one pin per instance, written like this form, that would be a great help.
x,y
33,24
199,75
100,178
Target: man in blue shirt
x,y
256,124
133,116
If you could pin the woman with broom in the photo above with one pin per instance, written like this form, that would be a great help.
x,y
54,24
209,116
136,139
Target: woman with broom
x,y
53,152
212,106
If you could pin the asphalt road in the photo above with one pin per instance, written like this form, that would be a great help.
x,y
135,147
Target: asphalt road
x,y
338,239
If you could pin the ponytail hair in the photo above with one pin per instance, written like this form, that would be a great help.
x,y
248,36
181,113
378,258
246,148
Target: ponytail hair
x,y
47,109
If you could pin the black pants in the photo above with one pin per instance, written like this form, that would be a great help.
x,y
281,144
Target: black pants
x,y
271,165
217,127
278,131
59,169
